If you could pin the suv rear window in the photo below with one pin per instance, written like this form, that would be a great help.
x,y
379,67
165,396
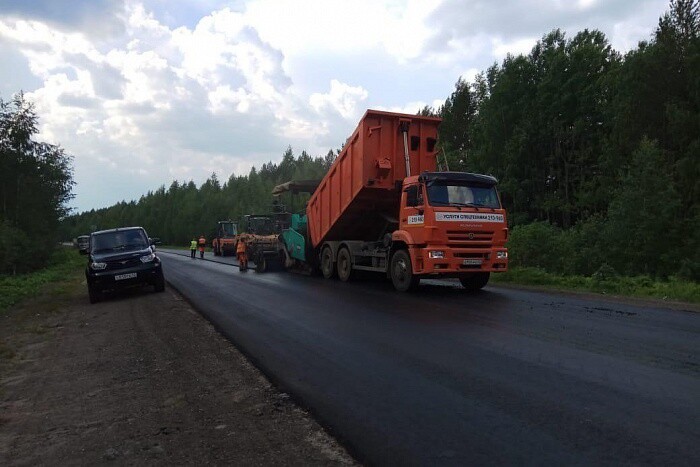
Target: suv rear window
x,y
121,240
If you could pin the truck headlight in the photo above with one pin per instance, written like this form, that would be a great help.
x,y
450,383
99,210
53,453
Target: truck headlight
x,y
148,258
436,254
98,266
501,255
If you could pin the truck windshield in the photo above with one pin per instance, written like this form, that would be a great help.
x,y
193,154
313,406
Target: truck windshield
x,y
452,194
261,226
121,240
229,229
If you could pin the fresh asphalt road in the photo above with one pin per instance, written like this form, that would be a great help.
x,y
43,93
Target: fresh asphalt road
x,y
441,377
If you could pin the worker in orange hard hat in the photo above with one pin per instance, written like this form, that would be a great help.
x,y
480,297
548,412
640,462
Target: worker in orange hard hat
x,y
202,242
241,253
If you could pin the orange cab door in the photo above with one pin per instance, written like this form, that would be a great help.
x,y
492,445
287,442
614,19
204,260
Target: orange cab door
x,y
413,213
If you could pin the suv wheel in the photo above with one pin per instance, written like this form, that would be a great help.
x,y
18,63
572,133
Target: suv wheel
x,y
94,294
159,285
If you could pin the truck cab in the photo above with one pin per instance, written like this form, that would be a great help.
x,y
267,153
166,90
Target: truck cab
x,y
453,224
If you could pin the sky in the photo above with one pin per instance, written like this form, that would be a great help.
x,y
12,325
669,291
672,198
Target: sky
x,y
142,93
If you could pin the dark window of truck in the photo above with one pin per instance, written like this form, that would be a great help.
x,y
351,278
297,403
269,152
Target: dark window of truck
x,y
412,196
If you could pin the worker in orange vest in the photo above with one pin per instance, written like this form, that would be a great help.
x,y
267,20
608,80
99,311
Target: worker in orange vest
x,y
202,242
241,254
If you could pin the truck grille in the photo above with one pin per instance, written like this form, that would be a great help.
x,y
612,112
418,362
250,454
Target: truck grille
x,y
484,256
124,263
469,239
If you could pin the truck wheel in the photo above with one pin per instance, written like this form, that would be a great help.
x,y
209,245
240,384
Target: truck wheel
x,y
94,294
344,265
402,273
327,268
476,281
282,259
260,264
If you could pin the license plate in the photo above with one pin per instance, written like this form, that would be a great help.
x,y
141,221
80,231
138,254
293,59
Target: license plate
x,y
471,262
121,277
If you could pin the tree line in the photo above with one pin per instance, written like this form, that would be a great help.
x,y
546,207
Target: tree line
x,y
36,181
597,154
183,210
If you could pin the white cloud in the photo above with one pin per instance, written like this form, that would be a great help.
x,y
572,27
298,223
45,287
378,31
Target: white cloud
x,y
341,98
413,108
517,47
470,74
152,99
316,26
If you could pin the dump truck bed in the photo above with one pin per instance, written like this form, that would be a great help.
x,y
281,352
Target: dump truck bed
x,y
360,193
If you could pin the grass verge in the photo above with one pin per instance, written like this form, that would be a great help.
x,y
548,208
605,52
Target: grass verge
x,y
638,286
64,262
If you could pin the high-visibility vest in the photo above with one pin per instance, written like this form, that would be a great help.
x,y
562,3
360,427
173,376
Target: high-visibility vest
x,y
193,245
240,248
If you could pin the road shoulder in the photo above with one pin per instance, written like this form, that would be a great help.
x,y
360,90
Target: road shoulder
x,y
140,377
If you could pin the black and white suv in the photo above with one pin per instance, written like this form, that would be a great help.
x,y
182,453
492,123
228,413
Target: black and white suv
x,y
119,258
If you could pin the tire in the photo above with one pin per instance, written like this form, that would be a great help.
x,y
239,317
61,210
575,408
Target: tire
x,y
282,257
327,265
94,294
402,272
260,264
159,285
344,265
476,281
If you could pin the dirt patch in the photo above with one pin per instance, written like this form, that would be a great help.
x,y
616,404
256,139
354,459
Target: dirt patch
x,y
140,377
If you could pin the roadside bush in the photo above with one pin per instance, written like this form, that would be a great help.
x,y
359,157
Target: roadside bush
x,y
537,245
579,250
584,247
605,282
690,263
62,263
14,249
642,228
604,273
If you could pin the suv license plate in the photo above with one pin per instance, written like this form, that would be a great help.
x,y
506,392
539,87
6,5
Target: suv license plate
x,y
471,262
121,277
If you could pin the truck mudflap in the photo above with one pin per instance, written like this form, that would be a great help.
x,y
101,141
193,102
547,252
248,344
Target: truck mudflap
x,y
451,262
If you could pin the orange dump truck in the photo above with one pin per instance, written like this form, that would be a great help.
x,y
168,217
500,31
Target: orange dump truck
x,y
384,207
